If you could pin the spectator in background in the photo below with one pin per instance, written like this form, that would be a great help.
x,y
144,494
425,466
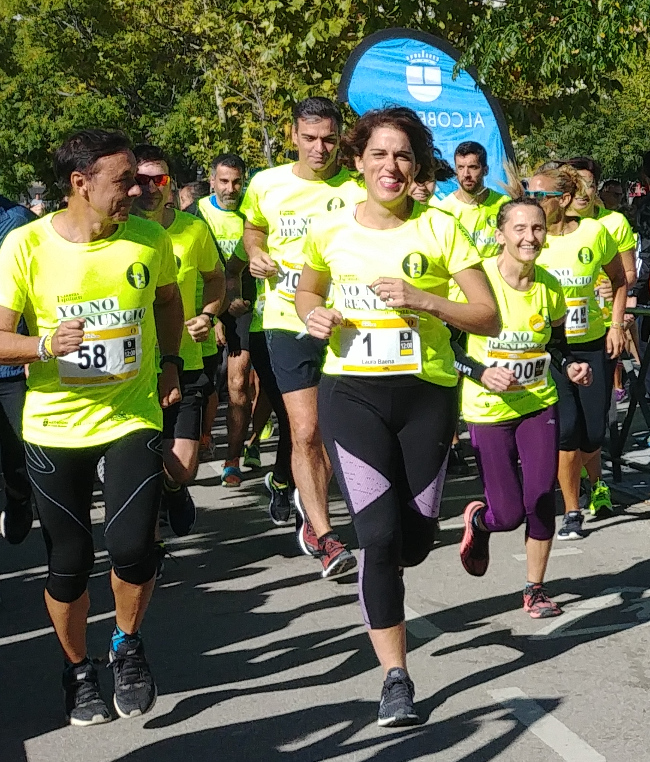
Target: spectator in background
x,y
189,194
612,194
16,515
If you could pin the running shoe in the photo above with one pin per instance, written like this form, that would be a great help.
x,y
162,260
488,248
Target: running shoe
x,y
84,704
621,395
601,498
475,545
457,465
538,604
180,509
252,456
280,502
16,520
101,468
571,528
305,535
231,476
267,431
396,707
206,448
135,689
334,556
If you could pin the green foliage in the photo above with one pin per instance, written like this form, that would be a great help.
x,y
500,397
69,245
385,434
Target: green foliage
x,y
202,76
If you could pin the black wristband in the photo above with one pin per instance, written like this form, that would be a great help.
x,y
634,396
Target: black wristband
x,y
175,360
213,318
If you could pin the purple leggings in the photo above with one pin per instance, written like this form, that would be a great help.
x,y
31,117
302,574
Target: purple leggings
x,y
513,498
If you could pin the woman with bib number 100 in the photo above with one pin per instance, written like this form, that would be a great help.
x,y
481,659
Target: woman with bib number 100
x,y
388,399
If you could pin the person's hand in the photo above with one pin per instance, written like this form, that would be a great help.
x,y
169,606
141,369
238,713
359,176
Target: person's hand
x,y
68,337
605,290
199,328
169,386
397,293
262,266
580,373
615,341
239,307
220,333
321,321
497,379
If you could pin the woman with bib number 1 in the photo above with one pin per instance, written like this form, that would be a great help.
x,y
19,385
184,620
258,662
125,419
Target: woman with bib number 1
x,y
509,401
576,249
387,399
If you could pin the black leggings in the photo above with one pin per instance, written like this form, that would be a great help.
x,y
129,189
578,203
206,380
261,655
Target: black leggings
x,y
63,480
12,452
583,409
388,441
261,362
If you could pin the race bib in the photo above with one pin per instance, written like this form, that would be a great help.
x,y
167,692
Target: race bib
x,y
386,345
577,316
530,368
108,356
288,277
259,304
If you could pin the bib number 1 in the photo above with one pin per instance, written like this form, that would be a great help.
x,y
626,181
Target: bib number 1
x,y
388,345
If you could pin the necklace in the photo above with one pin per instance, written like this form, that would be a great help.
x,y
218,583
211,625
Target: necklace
x,y
473,200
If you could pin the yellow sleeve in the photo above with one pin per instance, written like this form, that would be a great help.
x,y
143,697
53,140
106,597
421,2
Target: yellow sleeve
x,y
460,251
168,271
250,206
313,256
208,254
625,236
13,280
610,247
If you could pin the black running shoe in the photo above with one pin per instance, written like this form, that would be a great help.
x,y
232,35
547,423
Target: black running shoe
x,y
396,707
280,502
180,510
16,520
571,528
83,702
135,690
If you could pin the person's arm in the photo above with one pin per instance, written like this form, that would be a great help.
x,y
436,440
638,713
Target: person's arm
x,y
479,316
17,349
234,269
214,290
563,359
168,314
255,243
311,295
615,336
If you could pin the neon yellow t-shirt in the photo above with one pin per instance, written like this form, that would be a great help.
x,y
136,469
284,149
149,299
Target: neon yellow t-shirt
x,y
521,346
621,231
195,252
575,260
480,221
375,340
108,388
260,297
285,205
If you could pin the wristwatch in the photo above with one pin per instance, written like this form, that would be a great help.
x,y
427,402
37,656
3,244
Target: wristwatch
x,y
212,317
175,360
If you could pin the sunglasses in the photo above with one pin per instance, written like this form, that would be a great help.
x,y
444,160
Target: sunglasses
x,y
542,194
158,180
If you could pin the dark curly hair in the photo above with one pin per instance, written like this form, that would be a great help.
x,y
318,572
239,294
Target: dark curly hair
x,y
354,142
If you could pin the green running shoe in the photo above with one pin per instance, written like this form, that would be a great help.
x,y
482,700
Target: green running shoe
x,y
600,498
267,431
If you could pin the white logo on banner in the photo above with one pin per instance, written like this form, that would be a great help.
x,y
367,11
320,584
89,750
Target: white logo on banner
x,y
424,77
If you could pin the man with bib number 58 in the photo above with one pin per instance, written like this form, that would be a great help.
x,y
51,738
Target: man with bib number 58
x,y
279,205
95,286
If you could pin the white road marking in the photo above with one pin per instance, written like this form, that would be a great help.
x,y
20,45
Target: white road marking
x,y
554,553
419,626
100,555
547,728
609,598
23,636
451,526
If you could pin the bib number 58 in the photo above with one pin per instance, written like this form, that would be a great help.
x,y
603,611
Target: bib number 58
x,y
91,359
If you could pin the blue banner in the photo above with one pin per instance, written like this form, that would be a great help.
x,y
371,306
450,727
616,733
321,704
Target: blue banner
x,y
414,69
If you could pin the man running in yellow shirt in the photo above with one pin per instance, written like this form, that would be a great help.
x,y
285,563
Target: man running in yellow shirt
x,y
279,205
95,286
196,256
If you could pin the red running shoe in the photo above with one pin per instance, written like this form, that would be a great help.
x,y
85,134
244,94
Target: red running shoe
x,y
334,556
305,535
475,546
538,604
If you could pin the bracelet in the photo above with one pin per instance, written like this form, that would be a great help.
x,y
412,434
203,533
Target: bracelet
x,y
309,314
211,317
47,344
43,354
620,326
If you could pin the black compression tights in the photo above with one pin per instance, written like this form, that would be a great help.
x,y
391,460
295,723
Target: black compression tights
x,y
63,480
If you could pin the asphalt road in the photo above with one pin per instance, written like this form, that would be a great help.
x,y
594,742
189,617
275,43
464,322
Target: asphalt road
x,y
257,658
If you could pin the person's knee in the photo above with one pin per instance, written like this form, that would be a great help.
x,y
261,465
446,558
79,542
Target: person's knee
x,y
134,561
381,588
508,523
305,433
